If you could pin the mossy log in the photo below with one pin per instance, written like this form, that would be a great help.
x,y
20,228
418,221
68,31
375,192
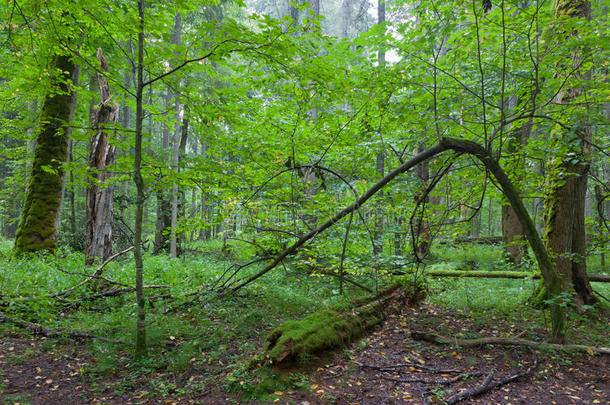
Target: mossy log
x,y
332,328
602,278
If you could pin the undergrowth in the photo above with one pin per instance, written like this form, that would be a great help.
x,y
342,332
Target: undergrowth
x,y
210,336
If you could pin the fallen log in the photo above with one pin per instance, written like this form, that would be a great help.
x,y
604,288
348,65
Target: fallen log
x,y
601,278
332,328
506,341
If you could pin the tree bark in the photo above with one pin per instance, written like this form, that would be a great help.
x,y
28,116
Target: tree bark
x,y
173,240
140,346
422,235
38,225
100,196
512,231
565,196
164,207
346,9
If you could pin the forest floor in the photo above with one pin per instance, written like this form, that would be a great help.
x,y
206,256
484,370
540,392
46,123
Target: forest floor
x,y
385,367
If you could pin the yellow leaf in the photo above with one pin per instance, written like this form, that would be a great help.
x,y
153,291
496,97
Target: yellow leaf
x,y
314,386
278,393
420,361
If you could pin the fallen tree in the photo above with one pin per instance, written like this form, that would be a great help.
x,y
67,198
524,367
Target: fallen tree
x,y
335,327
551,278
504,341
601,278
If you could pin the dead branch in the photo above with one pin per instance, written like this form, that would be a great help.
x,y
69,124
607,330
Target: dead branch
x,y
471,392
447,381
38,329
394,367
601,278
487,386
96,274
508,341
342,277
428,153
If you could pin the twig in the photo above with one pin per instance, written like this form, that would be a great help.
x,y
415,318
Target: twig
x,y
406,365
38,329
487,386
436,382
471,392
97,273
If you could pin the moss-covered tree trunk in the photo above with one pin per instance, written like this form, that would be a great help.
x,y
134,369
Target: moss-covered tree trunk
x,y
332,328
38,225
567,184
101,154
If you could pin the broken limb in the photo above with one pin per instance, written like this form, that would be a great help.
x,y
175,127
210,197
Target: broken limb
x,y
96,274
428,153
446,381
551,278
38,329
508,341
394,367
487,385
601,278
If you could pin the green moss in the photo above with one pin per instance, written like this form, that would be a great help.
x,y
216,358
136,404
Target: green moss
x,y
322,330
37,227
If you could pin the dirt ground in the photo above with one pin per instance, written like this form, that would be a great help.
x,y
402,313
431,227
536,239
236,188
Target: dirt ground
x,y
386,367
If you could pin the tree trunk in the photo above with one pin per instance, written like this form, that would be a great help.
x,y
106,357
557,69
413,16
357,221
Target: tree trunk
x,y
329,329
38,225
346,8
423,236
380,161
173,240
140,347
512,231
378,233
101,154
565,197
164,207
205,231
381,20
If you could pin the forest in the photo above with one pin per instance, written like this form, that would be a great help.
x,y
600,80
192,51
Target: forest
x,y
304,202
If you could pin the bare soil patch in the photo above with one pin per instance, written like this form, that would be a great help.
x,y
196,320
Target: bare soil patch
x,y
386,367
